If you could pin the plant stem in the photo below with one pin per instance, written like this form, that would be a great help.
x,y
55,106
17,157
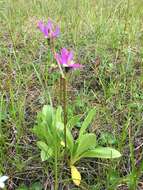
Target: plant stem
x,y
65,110
63,100
60,90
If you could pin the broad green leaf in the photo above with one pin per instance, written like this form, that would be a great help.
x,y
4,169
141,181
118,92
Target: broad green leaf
x,y
70,140
43,128
74,153
59,114
46,155
46,151
43,132
102,152
87,121
73,121
59,130
43,156
47,112
40,130
59,125
85,142
57,119
42,146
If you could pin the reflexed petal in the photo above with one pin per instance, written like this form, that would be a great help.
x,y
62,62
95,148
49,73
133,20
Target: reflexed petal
x,y
50,25
41,26
64,56
70,56
46,31
57,32
64,51
58,58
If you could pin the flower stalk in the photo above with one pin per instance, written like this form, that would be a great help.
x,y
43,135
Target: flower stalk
x,y
65,110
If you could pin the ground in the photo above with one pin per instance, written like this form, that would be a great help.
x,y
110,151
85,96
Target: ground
x,y
107,38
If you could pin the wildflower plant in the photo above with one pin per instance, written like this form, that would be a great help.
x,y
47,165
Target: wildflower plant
x,y
54,132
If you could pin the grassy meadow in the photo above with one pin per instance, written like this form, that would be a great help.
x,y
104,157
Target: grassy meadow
x,y
107,38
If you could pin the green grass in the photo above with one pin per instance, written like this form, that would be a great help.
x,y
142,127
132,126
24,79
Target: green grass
x,y
111,31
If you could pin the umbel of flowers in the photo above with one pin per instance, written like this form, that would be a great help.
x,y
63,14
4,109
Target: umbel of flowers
x,y
66,57
49,30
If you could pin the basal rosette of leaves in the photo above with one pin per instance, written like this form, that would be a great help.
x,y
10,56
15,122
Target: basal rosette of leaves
x,y
50,132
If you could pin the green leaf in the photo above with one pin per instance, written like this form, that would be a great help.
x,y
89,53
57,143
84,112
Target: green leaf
x,y
73,121
59,114
46,151
42,146
70,140
57,121
102,152
87,121
85,142
47,112
59,125
44,156
59,130
42,131
43,128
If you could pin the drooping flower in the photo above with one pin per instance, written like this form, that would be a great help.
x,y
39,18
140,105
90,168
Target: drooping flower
x,y
2,181
49,30
65,58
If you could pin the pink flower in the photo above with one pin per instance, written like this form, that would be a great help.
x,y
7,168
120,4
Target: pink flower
x,y
65,58
49,30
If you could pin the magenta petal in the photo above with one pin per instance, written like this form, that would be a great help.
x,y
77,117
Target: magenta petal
x,y
58,58
50,25
64,51
70,56
57,32
67,54
46,31
41,26
64,56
